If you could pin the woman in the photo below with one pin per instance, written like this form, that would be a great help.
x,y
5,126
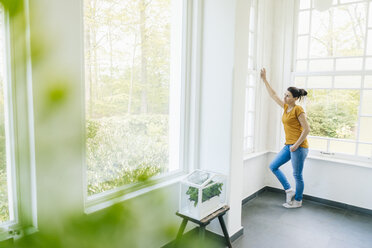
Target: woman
x,y
296,146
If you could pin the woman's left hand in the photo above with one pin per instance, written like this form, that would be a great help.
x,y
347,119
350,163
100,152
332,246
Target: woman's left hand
x,y
293,148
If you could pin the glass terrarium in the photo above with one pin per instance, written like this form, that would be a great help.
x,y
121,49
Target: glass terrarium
x,y
202,193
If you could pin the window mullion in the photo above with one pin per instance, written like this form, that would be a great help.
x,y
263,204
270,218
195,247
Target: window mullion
x,y
363,78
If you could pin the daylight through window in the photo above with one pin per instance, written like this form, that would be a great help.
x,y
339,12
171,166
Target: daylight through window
x,y
133,90
333,61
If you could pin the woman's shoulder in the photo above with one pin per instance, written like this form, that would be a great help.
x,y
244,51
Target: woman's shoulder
x,y
299,109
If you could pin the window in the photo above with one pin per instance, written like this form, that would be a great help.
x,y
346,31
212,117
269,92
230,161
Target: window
x,y
4,191
133,91
17,165
252,77
333,62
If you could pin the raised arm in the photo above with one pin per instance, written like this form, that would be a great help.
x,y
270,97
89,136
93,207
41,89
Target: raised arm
x,y
270,90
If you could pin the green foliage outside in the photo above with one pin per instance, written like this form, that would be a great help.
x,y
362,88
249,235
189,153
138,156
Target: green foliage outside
x,y
339,31
4,211
125,150
4,207
127,82
208,193
333,113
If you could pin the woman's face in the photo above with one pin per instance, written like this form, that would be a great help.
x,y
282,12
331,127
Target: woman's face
x,y
288,98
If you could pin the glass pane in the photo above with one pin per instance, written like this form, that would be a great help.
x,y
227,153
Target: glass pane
x,y
368,82
368,64
302,46
365,150
249,124
133,91
305,4
342,147
369,43
365,129
349,23
251,80
349,64
300,82
320,42
318,49
319,82
340,31
251,44
252,19
321,65
348,81
367,103
301,65
248,144
250,98
333,113
4,205
317,144
250,63
303,22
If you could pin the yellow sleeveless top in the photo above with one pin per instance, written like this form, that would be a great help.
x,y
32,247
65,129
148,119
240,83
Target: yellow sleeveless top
x,y
292,126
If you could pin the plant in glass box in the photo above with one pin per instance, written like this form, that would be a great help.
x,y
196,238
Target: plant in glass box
x,y
208,193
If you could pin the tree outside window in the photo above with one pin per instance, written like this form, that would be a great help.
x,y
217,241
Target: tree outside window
x,y
131,80
333,52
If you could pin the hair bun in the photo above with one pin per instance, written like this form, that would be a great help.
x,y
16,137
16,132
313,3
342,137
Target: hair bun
x,y
303,92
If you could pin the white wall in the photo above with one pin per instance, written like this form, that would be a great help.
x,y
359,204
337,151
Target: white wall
x,y
216,86
254,173
222,101
56,44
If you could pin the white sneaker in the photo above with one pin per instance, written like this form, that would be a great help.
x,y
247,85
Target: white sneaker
x,y
289,194
293,204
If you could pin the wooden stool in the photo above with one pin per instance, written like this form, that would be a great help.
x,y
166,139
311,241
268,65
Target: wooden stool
x,y
204,222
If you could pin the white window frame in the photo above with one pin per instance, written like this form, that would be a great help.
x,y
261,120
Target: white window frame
x,y
18,107
189,117
252,72
363,72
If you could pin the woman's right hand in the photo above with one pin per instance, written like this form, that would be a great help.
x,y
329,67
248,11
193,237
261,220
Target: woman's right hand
x,y
263,74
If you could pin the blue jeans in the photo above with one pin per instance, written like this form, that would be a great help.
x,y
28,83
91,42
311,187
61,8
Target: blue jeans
x,y
298,158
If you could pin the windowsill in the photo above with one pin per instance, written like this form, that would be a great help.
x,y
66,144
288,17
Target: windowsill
x,y
16,231
342,161
338,160
254,155
107,200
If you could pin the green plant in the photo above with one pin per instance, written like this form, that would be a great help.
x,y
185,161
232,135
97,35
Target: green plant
x,y
123,150
208,193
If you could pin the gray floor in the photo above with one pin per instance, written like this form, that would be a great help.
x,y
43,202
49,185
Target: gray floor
x,y
267,224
